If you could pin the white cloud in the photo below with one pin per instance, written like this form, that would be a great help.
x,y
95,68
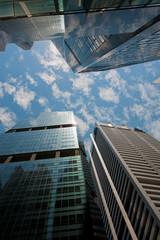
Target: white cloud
x,y
1,90
82,126
6,117
96,73
127,70
108,94
82,83
9,88
148,91
12,79
149,95
31,80
126,113
57,93
52,58
149,104
138,110
141,111
21,58
43,101
115,81
87,144
106,114
7,65
89,118
49,79
113,77
102,113
23,97
150,69
76,103
47,109
154,128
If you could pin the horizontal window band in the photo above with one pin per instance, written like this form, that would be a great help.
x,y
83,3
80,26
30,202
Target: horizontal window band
x,y
39,155
40,128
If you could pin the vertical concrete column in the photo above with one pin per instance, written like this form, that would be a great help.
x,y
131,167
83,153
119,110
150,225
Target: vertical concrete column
x,y
76,152
57,154
33,157
8,159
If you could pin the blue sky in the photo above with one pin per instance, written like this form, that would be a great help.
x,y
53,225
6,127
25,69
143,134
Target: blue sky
x,y
39,80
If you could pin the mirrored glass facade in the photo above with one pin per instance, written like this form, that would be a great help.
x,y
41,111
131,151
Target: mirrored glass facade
x,y
31,8
145,50
46,189
38,141
47,119
107,39
38,199
92,35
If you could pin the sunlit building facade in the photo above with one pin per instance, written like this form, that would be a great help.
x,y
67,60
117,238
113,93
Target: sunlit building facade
x,y
44,190
92,35
125,163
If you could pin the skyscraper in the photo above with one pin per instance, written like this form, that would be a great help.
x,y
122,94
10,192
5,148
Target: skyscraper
x,y
44,193
125,163
92,35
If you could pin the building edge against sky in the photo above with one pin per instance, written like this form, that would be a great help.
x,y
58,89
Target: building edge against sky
x,y
91,35
46,189
125,165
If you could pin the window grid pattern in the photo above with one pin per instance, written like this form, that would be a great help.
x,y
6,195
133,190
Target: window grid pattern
x,y
47,119
38,141
142,51
149,139
145,148
139,214
141,169
109,196
40,28
84,47
44,7
39,128
30,196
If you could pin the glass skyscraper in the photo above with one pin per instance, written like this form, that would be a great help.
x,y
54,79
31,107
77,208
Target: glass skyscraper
x,y
46,190
125,164
92,35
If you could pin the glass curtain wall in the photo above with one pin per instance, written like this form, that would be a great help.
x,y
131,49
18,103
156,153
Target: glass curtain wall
x,y
16,8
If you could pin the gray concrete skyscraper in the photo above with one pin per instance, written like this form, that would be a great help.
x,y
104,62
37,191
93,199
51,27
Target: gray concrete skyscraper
x,y
125,163
92,35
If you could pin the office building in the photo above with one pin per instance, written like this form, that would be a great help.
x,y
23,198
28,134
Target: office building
x,y
125,164
92,35
44,193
